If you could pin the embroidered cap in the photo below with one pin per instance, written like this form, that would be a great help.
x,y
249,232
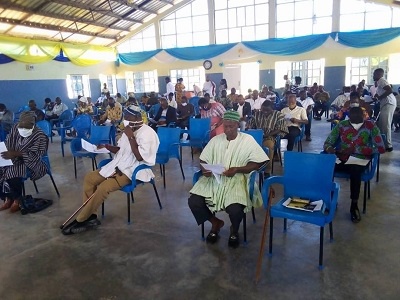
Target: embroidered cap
x,y
133,110
27,117
232,115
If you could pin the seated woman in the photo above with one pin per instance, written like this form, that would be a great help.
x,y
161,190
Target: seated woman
x,y
215,111
26,144
359,138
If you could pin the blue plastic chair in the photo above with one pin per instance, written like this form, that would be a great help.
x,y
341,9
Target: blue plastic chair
x,y
299,138
168,148
100,135
81,124
19,111
308,176
78,151
195,102
199,134
128,189
63,120
46,128
45,159
366,177
196,177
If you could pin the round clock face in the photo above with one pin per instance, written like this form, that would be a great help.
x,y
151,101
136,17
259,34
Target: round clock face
x,y
207,64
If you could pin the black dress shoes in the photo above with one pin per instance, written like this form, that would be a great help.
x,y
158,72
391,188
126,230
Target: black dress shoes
x,y
389,149
355,214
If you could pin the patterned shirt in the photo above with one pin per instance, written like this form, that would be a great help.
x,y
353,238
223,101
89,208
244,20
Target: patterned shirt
x,y
274,121
113,114
366,140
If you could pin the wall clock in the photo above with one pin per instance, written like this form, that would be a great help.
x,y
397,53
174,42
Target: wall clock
x,y
207,64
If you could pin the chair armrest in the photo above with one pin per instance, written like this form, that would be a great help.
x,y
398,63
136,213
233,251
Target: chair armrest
x,y
196,176
267,184
104,162
139,168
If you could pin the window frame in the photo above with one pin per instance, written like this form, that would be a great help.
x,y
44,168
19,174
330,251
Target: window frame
x,y
73,93
190,76
136,81
369,66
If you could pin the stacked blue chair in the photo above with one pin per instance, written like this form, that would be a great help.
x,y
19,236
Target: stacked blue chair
x,y
199,134
128,189
168,148
81,124
307,176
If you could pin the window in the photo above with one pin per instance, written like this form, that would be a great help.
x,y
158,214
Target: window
x,y
142,82
359,68
111,82
78,85
189,76
145,40
186,27
241,20
310,71
358,15
303,17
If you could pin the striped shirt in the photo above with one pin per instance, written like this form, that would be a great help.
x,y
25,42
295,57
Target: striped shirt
x,y
32,149
274,121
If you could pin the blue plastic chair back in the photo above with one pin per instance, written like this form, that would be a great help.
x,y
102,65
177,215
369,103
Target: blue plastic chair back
x,y
154,109
169,143
82,125
100,135
309,175
195,102
45,127
199,130
257,134
66,117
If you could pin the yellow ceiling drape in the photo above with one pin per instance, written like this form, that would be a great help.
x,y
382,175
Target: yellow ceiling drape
x,y
40,51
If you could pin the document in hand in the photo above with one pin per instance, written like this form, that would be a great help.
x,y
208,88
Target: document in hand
x,y
4,162
217,170
92,148
303,204
357,161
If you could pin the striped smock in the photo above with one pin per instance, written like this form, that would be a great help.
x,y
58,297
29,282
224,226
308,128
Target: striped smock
x,y
235,153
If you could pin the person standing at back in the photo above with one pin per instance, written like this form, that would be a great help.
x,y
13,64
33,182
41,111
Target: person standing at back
x,y
170,87
209,87
384,94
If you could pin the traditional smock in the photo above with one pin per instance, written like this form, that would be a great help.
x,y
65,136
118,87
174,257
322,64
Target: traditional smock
x,y
235,153
126,161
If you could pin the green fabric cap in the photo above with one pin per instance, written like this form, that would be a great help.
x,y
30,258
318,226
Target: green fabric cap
x,y
232,115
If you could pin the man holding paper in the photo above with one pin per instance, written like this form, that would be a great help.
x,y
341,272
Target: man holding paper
x,y
239,154
137,145
354,141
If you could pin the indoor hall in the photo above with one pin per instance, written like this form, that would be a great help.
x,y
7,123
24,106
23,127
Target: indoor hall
x,y
161,254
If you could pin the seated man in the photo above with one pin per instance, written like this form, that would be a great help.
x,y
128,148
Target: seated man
x,y
354,101
295,116
166,114
137,145
273,123
225,101
340,100
321,99
185,112
6,118
113,113
240,154
359,138
38,112
307,103
58,109
48,107
244,110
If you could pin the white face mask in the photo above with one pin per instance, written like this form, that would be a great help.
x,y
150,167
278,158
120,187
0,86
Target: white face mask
x,y
2,112
347,94
24,132
126,123
357,126
354,104
184,103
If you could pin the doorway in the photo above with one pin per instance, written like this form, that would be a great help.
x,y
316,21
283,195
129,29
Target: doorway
x,y
242,77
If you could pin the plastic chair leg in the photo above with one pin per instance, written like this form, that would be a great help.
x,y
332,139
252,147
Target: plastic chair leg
x,y
36,189
55,186
155,191
321,247
365,198
244,229
331,231
284,225
180,164
271,230
202,231
163,172
75,166
254,215
128,201
377,168
102,210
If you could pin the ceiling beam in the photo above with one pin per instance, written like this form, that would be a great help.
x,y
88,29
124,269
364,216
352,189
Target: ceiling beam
x,y
62,17
96,10
137,7
55,28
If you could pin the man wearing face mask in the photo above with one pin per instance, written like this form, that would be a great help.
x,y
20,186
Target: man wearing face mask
x,y
359,138
113,113
185,112
137,145
26,144
340,100
6,118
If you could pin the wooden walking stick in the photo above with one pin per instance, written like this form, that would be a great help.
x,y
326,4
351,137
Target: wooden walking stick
x,y
266,221
73,215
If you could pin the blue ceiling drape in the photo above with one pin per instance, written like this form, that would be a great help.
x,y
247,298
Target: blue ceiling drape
x,y
200,52
137,57
366,38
